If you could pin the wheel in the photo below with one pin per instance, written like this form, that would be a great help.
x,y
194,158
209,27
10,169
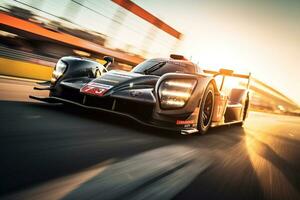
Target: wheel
x,y
206,109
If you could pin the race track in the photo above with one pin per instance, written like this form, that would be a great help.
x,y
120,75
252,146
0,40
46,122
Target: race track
x,y
55,152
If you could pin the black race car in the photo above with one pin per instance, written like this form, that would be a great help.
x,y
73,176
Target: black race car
x,y
171,93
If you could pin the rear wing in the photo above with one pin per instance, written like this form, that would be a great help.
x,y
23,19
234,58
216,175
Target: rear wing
x,y
227,72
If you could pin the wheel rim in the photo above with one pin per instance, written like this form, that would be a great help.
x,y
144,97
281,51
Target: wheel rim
x,y
207,109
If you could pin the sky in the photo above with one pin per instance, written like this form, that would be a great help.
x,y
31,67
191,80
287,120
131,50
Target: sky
x,y
257,36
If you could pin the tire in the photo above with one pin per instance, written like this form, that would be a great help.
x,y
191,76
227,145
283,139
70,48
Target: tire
x,y
247,103
245,111
206,109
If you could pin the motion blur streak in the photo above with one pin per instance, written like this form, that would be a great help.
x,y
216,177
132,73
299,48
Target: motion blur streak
x,y
148,175
59,188
270,159
268,174
155,174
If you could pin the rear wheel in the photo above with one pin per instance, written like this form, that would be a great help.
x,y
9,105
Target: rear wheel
x,y
206,109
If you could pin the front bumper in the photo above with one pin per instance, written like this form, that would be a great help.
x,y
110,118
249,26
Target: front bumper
x,y
141,112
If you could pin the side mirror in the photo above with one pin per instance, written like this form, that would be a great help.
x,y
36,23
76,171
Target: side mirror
x,y
109,60
226,72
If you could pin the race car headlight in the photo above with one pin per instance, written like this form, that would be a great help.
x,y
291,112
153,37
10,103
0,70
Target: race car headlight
x,y
175,93
59,70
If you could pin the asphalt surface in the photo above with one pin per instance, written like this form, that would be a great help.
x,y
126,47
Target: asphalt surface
x,y
57,152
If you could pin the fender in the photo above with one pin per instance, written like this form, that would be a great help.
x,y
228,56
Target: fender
x,y
76,68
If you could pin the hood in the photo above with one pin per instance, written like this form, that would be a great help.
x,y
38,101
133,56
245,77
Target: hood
x,y
114,81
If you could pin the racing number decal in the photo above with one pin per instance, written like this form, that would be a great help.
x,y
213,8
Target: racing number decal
x,y
95,89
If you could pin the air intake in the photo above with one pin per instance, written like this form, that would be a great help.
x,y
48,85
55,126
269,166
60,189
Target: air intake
x,y
177,57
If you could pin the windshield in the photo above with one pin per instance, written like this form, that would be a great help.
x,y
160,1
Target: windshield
x,y
158,67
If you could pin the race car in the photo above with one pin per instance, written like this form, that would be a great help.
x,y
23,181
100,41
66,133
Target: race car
x,y
169,93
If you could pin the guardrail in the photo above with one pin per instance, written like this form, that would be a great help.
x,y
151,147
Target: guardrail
x,y
9,53
27,65
265,99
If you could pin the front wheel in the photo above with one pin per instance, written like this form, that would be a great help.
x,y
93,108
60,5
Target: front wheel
x,y
206,109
